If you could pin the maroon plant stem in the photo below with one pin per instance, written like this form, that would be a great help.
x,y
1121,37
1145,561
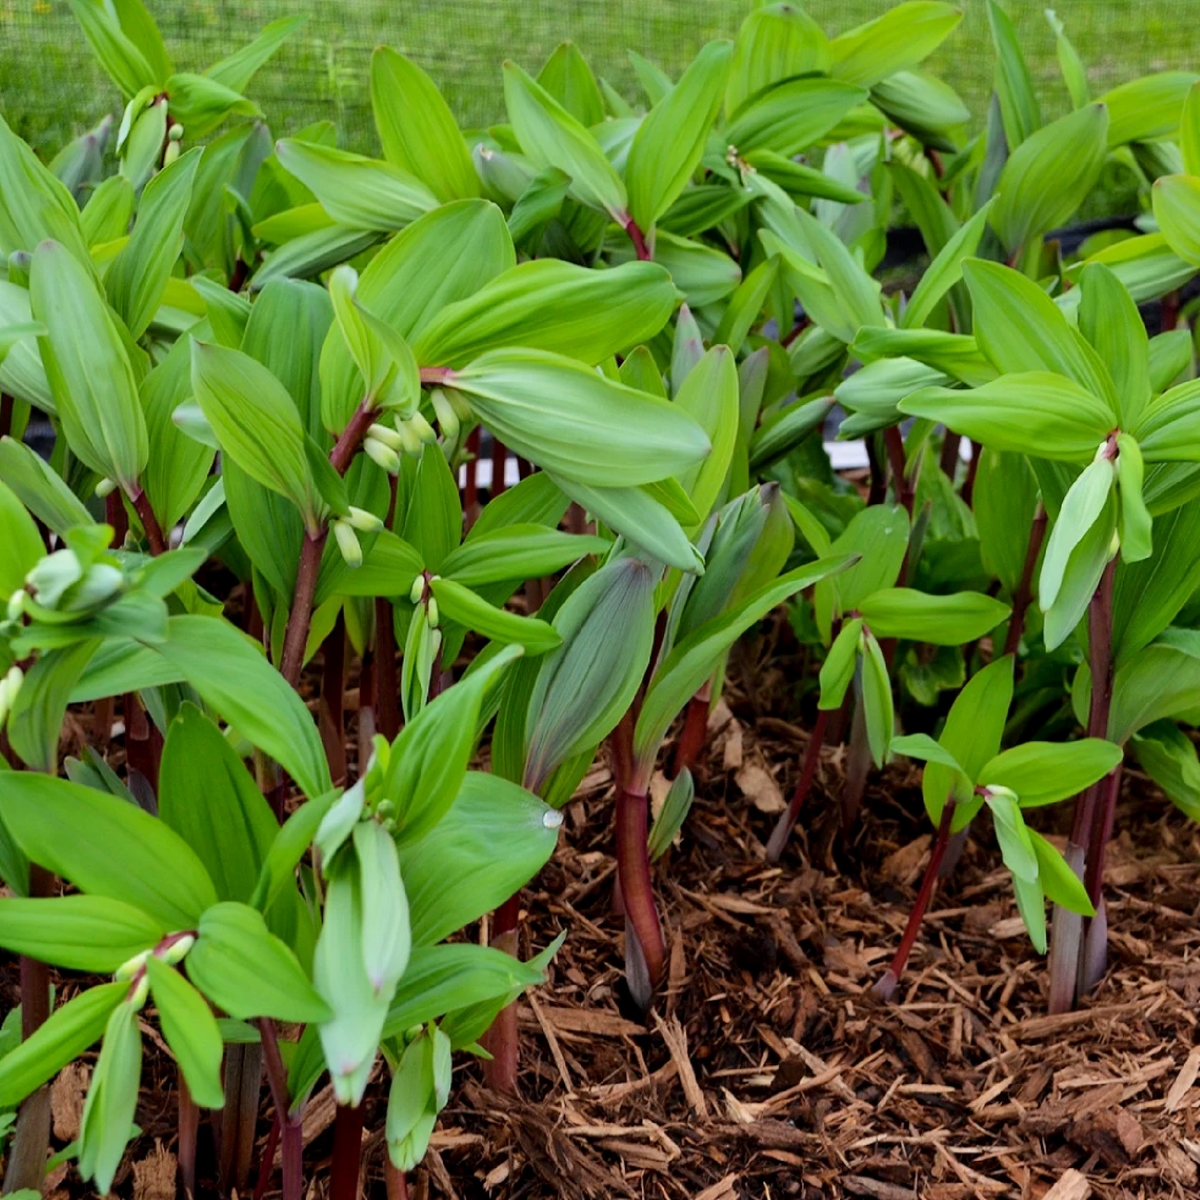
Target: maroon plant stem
x,y
116,516
293,1138
295,640
878,489
886,987
387,682
346,447
143,742
1102,828
949,459
900,484
637,890
347,1152
1021,601
787,820
189,1127
31,1140
796,330
268,1158
7,405
394,1180
332,707
1068,926
968,488
858,767
499,463
436,375
502,1040
366,708
695,725
638,239
471,486
154,533
1169,311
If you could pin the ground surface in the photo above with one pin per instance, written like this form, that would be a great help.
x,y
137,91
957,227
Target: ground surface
x,y
50,87
767,1069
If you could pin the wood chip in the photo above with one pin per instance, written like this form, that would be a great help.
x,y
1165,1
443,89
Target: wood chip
x,y
861,1185
759,787
1072,1185
676,1039
154,1176
1183,1081
723,1189
590,1020
67,1095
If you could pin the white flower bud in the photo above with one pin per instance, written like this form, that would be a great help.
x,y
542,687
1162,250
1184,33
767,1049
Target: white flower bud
x,y
141,989
348,543
131,966
422,428
417,591
16,604
177,950
363,521
383,456
411,439
432,610
387,435
447,417
105,488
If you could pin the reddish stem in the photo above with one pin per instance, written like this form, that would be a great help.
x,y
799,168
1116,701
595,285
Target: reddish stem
x,y
949,458
116,516
637,890
268,1159
436,375
387,681
796,330
293,1137
502,1040
471,487
7,406
886,987
1021,601
787,821
968,488
638,239
189,1127
900,484
695,725
394,1180
295,640
154,533
347,1152
332,708
878,489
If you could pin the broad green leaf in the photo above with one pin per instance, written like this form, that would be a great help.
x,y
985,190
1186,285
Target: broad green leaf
x,y
234,678
466,608
200,103
516,552
575,423
246,970
554,306
671,138
40,489
22,548
1147,109
791,115
784,430
798,181
1177,210
388,569
191,1031
1057,879
776,41
971,736
115,850
108,1112
877,701
1016,846
1049,176
417,129
568,78
356,191
237,69
837,671
1081,509
693,659
1110,321
870,396
922,105
256,422
1081,577
1146,265
922,746
1031,904
120,55
1168,756
386,934
1135,524
1189,131
433,524
952,354
551,137
1069,63
88,367
1169,430
745,306
209,798
1162,680
1046,772
940,620
1005,504
1018,101
945,270
710,396
69,1031
903,37
880,535
1170,357
495,837
1033,412
81,933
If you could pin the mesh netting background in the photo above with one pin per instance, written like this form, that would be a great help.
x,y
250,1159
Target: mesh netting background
x,y
50,88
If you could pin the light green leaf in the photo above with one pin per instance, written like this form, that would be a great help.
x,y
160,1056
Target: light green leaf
x,y
467,608
1110,320
837,671
81,933
1177,210
790,116
1147,109
1081,509
922,746
107,1121
940,620
191,1031
1046,772
877,700
776,41
898,41
1135,525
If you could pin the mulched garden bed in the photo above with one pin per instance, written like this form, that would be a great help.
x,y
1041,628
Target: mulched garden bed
x,y
767,1068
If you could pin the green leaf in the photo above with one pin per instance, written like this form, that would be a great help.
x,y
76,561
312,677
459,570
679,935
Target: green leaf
x,y
776,41
417,129
923,747
1169,430
88,368
971,736
467,608
388,569
1177,210
837,671
1016,846
1170,357
234,678
940,620
81,933
1109,319
1014,85
1135,525
568,78
1081,578
22,548
386,935
114,850
1069,63
710,396
120,55
40,489
1147,109
434,521
575,423
236,70
493,840
112,1099
1033,412
880,535
1168,756
191,1031
67,1033
245,969
877,699
790,116
903,37
209,798
922,105
363,193
516,552
1081,509
1049,176
553,306
1162,680
1005,503
945,270
551,137
1046,772
693,659
1057,879
671,138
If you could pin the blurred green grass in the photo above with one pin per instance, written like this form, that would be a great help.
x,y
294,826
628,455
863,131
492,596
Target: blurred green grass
x,y
51,89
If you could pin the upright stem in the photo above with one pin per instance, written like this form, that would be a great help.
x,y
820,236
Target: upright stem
x,y
1024,594
787,820
900,483
154,533
347,1152
293,1138
878,489
949,458
332,708
637,894
638,239
300,618
387,683
695,724
189,1127
968,490
471,486
886,987
268,1158
7,406
116,516
502,1040
858,767
394,1180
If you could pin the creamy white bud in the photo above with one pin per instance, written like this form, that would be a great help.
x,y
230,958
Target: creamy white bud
x,y
363,521
383,456
387,435
348,543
